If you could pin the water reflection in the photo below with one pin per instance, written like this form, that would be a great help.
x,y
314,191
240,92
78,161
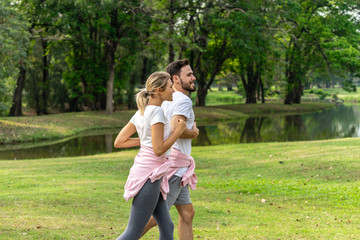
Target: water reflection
x,y
79,146
339,122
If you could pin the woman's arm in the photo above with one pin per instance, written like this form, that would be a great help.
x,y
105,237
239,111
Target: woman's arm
x,y
157,134
123,139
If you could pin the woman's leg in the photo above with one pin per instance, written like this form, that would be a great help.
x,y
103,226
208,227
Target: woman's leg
x,y
143,205
162,217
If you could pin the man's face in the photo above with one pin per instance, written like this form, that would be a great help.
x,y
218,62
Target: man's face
x,y
187,79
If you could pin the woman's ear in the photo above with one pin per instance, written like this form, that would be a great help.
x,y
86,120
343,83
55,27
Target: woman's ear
x,y
158,91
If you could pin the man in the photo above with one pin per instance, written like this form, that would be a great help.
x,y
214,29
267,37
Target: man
x,y
182,173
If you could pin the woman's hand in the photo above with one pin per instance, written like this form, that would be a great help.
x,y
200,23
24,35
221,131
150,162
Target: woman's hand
x,y
180,126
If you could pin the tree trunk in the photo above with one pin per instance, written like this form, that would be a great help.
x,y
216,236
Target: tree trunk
x,y
171,31
45,79
297,95
130,92
144,71
202,90
110,88
294,91
251,83
261,84
16,108
112,42
201,96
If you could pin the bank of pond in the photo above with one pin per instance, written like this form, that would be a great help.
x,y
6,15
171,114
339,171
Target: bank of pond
x,y
336,122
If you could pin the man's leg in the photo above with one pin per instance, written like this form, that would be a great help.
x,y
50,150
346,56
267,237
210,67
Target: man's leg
x,y
151,223
186,216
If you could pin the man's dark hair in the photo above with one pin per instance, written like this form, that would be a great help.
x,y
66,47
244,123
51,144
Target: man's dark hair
x,y
174,68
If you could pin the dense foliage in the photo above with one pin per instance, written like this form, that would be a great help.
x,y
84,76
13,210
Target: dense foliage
x,y
92,54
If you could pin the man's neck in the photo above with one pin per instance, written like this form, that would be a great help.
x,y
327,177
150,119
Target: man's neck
x,y
187,93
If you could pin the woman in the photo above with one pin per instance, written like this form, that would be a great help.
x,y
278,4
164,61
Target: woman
x,y
147,183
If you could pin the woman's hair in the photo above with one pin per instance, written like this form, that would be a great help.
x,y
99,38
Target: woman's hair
x,y
174,68
154,81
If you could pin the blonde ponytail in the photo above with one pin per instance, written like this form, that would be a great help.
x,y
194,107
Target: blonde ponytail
x,y
141,100
154,81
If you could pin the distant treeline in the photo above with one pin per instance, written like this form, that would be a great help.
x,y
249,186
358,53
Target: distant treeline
x,y
75,55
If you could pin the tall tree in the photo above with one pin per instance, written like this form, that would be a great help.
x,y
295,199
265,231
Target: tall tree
x,y
309,28
16,108
252,40
209,48
14,41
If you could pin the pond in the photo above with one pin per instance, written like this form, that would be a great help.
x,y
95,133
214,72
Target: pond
x,y
338,122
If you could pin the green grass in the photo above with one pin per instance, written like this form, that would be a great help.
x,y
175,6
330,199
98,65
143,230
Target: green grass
x,y
217,97
341,94
294,190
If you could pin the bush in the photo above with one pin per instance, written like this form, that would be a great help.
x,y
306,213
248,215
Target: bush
x,y
320,93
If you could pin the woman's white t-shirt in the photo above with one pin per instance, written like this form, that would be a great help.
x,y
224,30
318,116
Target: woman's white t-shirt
x,y
152,115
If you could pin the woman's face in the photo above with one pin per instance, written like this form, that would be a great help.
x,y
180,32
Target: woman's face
x,y
167,93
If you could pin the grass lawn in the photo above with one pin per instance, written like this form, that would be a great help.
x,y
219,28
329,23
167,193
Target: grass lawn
x,y
217,97
340,93
346,96
293,190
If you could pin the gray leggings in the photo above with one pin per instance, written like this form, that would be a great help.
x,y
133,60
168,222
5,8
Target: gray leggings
x,y
147,202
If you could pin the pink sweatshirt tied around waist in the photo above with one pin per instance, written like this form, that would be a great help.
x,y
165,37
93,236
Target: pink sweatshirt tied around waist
x,y
180,160
147,165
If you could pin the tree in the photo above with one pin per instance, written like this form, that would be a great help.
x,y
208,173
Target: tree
x,y
209,48
14,39
310,28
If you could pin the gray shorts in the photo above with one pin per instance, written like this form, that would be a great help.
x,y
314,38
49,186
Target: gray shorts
x,y
177,195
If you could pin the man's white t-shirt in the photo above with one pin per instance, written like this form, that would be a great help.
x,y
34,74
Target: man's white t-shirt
x,y
152,115
181,105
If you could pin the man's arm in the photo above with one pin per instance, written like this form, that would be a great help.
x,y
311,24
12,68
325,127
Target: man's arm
x,y
188,133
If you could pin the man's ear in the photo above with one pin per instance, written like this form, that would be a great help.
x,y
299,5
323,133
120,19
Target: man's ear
x,y
176,79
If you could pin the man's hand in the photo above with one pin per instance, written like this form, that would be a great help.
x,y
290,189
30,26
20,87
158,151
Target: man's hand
x,y
196,131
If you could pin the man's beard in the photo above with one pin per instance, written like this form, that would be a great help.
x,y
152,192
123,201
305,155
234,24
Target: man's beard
x,y
187,86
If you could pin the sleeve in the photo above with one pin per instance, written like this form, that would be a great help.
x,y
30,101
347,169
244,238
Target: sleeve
x,y
183,108
132,120
157,116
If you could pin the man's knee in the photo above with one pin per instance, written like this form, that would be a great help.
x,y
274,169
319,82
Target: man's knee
x,y
186,212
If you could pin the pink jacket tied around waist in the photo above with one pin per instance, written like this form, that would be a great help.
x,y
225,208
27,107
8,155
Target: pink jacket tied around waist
x,y
180,160
147,165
